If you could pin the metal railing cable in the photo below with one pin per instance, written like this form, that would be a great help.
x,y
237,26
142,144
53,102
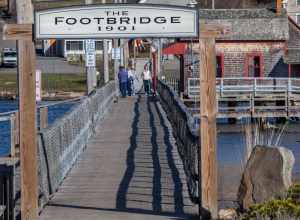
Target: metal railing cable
x,y
185,134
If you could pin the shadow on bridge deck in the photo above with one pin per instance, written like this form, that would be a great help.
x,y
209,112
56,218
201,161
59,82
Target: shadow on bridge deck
x,y
130,170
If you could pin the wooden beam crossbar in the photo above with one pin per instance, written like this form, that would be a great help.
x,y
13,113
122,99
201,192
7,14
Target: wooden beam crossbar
x,y
17,32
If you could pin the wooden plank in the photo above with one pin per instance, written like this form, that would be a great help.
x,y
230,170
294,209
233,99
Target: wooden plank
x,y
208,113
17,32
27,103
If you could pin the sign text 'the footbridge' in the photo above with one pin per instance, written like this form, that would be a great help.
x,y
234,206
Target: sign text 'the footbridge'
x,y
121,21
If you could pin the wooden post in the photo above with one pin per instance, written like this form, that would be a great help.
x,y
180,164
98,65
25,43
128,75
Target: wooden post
x,y
278,7
27,109
12,135
43,118
209,183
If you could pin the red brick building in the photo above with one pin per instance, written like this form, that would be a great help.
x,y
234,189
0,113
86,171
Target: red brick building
x,y
262,44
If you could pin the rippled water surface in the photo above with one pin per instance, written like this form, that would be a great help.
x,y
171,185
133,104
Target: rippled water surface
x,y
54,113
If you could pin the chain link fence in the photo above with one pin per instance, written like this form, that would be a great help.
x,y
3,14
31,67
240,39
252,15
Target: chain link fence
x,y
61,143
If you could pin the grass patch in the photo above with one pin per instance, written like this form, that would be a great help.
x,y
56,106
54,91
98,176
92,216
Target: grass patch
x,y
50,82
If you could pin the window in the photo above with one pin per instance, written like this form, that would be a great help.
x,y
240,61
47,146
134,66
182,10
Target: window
x,y
74,45
99,45
298,2
298,18
220,66
254,66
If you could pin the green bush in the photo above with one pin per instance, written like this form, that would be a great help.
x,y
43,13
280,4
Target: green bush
x,y
285,208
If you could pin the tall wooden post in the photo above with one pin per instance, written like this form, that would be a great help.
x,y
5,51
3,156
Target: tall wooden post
x,y
27,106
208,184
208,164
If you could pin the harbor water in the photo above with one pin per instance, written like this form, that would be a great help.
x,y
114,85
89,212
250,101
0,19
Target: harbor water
x,y
54,112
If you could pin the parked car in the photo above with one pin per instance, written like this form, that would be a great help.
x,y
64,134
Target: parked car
x,y
9,57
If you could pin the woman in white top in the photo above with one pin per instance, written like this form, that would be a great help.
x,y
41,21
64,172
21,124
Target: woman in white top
x,y
147,81
130,85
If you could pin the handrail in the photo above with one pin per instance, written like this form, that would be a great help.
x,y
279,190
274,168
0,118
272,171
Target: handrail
x,y
46,105
248,85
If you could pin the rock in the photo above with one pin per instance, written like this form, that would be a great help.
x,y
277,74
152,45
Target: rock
x,y
268,174
229,214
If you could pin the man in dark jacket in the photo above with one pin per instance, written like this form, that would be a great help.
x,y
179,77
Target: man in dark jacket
x,y
123,79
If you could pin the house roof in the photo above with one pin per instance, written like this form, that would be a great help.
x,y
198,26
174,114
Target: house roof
x,y
292,55
249,24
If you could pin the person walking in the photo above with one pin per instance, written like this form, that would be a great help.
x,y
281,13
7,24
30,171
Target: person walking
x,y
147,80
123,80
130,83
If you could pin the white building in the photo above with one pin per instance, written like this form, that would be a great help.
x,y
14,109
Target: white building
x,y
69,47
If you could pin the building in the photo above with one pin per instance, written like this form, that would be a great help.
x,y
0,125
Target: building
x,y
293,9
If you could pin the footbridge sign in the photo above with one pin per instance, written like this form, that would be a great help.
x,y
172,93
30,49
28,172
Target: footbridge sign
x,y
116,21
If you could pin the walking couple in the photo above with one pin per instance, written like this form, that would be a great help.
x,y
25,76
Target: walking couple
x,y
126,81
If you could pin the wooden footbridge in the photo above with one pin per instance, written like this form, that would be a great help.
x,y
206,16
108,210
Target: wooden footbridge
x,y
107,160
139,158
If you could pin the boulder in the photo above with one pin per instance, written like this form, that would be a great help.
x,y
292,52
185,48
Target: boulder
x,y
268,174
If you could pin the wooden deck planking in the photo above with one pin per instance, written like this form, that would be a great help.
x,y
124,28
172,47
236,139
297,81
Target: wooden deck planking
x,y
130,170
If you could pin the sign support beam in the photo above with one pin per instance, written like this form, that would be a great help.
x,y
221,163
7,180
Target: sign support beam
x,y
27,111
208,181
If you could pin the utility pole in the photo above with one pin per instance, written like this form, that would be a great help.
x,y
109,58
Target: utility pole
x,y
91,77
105,57
27,111
116,63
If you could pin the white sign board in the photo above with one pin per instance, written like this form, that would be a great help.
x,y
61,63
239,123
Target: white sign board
x,y
116,21
116,53
90,52
38,85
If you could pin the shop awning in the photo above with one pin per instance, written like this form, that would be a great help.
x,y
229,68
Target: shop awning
x,y
175,49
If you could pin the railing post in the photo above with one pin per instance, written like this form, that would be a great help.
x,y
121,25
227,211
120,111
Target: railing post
x,y
43,118
288,93
254,86
12,135
221,87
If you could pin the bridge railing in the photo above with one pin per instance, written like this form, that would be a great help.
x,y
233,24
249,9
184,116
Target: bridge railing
x,y
61,143
248,86
185,134
59,146
251,97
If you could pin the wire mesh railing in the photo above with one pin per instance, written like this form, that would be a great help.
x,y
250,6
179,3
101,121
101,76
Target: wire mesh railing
x,y
60,143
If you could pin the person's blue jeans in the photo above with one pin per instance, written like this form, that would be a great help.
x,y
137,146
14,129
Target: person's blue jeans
x,y
129,87
147,87
123,89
